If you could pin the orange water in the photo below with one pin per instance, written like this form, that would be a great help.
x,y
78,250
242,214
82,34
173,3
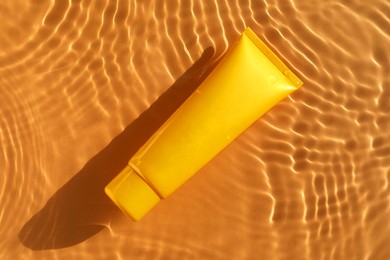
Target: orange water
x,y
83,84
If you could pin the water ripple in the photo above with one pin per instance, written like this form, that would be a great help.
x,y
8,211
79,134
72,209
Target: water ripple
x,y
310,180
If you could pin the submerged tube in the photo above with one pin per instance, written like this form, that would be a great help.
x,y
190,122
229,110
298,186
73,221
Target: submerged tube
x,y
247,83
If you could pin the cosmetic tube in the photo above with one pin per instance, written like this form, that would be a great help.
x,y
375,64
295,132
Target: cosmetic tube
x,y
248,81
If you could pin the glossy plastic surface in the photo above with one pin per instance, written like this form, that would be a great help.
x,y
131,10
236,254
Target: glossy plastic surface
x,y
247,83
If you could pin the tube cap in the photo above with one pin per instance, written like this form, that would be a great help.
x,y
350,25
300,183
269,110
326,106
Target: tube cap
x,y
131,194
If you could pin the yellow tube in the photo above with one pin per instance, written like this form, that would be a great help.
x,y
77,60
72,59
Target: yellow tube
x,y
246,84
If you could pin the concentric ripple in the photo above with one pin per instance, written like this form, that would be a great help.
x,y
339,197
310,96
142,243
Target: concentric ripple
x,y
83,84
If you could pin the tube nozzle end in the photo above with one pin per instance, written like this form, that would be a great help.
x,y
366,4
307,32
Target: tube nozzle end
x,y
131,194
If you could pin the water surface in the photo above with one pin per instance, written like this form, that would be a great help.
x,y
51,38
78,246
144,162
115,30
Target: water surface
x,y
83,84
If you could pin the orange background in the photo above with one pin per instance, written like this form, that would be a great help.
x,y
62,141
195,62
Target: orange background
x,y
83,84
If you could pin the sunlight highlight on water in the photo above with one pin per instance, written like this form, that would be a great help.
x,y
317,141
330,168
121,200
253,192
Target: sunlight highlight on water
x,y
83,84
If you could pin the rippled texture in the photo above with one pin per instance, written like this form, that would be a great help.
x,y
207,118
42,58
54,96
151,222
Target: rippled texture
x,y
84,83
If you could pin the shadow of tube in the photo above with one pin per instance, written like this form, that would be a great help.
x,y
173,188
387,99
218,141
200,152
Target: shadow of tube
x,y
78,209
